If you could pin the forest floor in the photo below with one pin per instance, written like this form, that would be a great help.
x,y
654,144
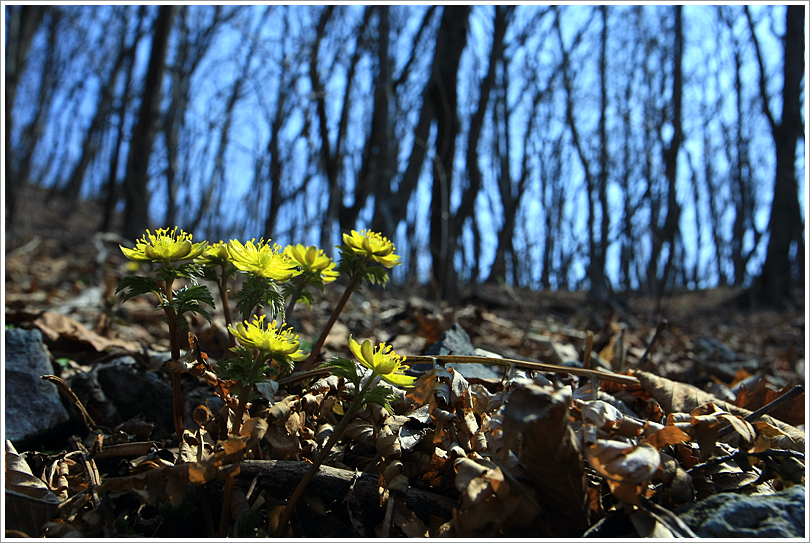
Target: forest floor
x,y
450,433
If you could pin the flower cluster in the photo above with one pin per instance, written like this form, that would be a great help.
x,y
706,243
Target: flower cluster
x,y
270,339
373,246
164,246
383,361
215,254
313,260
262,260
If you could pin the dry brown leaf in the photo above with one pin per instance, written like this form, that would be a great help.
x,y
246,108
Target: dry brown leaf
x,y
680,397
771,437
29,501
791,412
407,521
491,506
69,334
433,473
676,483
423,388
536,427
669,435
624,462
283,444
154,485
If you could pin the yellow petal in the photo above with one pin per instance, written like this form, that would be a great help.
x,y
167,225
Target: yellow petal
x,y
354,347
368,352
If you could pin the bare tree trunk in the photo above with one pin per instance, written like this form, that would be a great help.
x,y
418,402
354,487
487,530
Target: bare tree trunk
x,y
773,287
379,161
112,185
397,206
600,287
450,44
467,207
22,24
136,214
104,108
670,231
32,132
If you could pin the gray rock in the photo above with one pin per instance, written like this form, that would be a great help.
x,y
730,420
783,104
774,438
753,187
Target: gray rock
x,y
136,393
733,515
33,406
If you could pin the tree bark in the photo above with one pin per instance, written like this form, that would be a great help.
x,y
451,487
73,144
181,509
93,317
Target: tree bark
x,y
450,44
773,286
669,232
22,22
136,213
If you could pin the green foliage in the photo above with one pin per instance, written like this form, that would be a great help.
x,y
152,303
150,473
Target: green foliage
x,y
137,285
245,368
260,292
188,270
349,370
188,299
288,290
381,395
352,264
345,368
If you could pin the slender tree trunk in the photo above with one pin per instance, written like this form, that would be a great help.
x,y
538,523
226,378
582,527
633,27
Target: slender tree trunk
x,y
669,232
112,182
136,214
104,109
22,24
450,44
773,287
599,283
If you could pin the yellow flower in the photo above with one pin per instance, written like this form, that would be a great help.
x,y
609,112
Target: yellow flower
x,y
383,361
373,245
269,339
262,259
164,246
314,260
214,255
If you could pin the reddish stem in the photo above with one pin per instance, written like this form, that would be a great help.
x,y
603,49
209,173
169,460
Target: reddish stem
x,y
332,319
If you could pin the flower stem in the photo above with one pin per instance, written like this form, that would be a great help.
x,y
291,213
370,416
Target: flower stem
x,y
284,519
298,290
244,390
226,309
227,494
332,319
177,393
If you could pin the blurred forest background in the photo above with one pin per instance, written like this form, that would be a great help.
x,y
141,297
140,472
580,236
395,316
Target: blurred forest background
x,y
613,149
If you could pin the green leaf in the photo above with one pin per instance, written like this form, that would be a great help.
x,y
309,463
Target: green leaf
x,y
188,299
211,273
345,368
245,369
350,263
376,275
191,271
260,292
136,285
167,273
381,395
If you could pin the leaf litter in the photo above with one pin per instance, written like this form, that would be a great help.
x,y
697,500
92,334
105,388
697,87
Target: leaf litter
x,y
532,454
